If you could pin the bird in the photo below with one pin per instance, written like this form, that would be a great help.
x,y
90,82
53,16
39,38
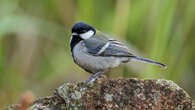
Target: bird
x,y
97,52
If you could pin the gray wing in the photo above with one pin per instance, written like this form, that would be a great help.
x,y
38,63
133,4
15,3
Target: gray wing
x,y
102,45
94,45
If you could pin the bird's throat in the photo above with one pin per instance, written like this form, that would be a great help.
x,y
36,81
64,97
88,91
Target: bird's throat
x,y
74,40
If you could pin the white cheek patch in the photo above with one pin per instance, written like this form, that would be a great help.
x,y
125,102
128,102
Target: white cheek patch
x,y
87,35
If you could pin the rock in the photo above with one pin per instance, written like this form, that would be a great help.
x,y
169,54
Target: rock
x,y
117,94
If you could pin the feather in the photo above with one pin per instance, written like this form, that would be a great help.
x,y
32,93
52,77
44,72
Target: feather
x,y
149,61
106,48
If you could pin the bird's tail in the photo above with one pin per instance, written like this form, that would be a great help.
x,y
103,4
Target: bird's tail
x,y
149,61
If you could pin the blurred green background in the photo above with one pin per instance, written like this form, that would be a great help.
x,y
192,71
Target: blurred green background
x,y
35,34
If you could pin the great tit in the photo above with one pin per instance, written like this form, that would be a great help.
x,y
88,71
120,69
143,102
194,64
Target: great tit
x,y
97,52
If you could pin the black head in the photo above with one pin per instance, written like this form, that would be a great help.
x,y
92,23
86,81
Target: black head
x,y
81,28
81,31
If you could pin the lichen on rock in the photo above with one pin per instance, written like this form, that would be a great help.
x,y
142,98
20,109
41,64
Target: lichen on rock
x,y
117,94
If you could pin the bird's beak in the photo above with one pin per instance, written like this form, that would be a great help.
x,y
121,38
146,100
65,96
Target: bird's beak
x,y
73,34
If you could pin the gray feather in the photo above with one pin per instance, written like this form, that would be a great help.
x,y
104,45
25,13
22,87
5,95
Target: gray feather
x,y
149,61
115,48
94,45
116,51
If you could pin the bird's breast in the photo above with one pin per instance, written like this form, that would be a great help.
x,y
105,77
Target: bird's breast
x,y
92,63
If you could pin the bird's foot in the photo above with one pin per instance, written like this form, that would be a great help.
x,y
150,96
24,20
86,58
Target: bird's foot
x,y
93,77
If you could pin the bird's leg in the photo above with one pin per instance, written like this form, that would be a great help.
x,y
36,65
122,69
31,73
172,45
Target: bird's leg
x,y
93,77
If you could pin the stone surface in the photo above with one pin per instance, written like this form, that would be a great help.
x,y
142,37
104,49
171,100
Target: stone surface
x,y
117,94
